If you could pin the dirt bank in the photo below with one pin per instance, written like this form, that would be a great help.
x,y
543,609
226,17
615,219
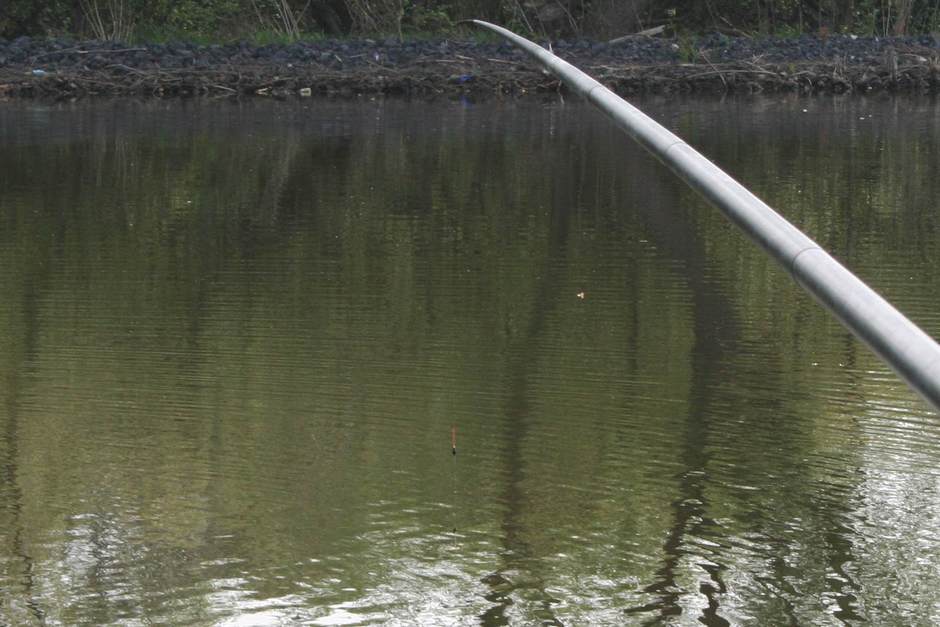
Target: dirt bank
x,y
66,69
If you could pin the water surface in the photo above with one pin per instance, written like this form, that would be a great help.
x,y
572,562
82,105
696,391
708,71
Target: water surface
x,y
234,339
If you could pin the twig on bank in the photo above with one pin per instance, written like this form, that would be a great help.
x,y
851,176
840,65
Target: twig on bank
x,y
704,55
83,51
732,71
121,66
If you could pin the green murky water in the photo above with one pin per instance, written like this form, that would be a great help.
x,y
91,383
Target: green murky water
x,y
234,339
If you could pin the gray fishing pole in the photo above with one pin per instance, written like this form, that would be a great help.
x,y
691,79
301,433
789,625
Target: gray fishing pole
x,y
910,352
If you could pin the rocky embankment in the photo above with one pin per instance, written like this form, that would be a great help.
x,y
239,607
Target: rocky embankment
x,y
64,69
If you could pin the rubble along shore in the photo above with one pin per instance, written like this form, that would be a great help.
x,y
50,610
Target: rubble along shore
x,y
64,69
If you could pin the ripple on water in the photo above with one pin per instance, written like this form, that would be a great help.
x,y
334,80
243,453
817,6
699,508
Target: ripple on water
x,y
229,399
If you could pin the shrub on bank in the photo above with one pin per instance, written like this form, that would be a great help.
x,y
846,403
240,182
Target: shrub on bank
x,y
221,20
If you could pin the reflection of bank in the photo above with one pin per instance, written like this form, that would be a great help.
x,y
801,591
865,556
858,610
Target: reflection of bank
x,y
27,268
645,276
296,337
715,331
517,556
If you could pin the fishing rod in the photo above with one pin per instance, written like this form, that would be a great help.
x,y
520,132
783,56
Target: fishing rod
x,y
910,352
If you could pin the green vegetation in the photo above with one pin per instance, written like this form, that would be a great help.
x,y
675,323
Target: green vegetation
x,y
267,20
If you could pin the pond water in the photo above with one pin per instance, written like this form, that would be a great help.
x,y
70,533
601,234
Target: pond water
x,y
235,339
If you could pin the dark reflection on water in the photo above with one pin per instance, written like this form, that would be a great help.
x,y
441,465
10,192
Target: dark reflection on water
x,y
234,338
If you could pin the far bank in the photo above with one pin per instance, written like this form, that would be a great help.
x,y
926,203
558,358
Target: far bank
x,y
60,68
